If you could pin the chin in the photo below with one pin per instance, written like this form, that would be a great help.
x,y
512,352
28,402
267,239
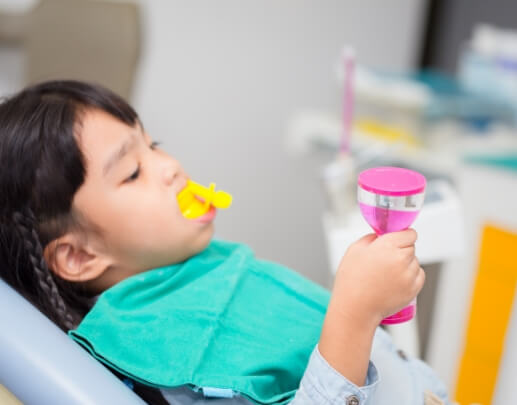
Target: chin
x,y
205,238
200,242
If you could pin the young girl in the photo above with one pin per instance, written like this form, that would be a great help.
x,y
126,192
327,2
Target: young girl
x,y
91,234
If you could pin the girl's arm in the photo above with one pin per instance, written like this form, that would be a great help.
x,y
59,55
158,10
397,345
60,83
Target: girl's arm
x,y
376,278
346,342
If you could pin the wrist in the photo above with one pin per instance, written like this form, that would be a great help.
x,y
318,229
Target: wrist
x,y
352,311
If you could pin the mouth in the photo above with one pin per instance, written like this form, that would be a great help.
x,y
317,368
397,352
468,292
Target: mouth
x,y
208,217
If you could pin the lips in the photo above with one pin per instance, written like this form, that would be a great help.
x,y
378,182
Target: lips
x,y
208,217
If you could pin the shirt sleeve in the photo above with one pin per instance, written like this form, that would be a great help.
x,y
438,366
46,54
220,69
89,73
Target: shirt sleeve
x,y
323,385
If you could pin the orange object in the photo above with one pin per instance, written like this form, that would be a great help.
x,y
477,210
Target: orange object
x,y
490,313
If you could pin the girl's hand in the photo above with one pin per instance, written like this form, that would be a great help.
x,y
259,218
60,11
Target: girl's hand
x,y
378,276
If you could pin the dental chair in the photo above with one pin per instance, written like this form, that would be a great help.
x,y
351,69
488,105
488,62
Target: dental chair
x,y
40,364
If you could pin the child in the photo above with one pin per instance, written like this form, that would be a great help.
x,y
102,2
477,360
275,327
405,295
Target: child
x,y
88,208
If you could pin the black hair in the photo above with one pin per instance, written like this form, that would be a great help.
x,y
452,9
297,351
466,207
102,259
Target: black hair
x,y
41,169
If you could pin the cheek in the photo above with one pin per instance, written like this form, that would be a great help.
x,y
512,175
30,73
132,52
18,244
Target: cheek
x,y
135,219
147,218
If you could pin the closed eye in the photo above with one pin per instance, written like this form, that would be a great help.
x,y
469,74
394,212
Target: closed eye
x,y
134,176
136,173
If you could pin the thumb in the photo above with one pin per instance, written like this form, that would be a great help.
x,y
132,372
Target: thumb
x,y
366,239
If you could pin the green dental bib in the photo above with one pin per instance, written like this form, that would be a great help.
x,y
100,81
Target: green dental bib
x,y
221,319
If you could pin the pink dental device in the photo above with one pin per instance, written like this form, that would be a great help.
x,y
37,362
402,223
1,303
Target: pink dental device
x,y
390,199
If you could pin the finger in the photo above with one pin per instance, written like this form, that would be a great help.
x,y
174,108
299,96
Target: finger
x,y
415,264
409,252
366,239
420,280
401,239
413,269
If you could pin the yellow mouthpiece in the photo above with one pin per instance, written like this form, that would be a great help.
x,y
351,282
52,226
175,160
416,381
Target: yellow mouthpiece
x,y
195,200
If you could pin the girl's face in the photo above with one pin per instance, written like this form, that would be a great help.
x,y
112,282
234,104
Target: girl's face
x,y
129,195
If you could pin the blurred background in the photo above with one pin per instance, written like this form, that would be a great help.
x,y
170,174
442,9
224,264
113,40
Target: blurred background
x,y
255,97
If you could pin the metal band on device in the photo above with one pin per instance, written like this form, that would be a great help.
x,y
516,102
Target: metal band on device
x,y
400,202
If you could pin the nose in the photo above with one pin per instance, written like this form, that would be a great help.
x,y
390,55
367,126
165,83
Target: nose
x,y
170,170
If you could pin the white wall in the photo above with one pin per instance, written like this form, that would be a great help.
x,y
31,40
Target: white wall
x,y
219,81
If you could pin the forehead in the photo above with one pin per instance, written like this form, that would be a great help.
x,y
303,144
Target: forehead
x,y
99,129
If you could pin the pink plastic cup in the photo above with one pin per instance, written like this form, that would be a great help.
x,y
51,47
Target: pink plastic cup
x,y
390,199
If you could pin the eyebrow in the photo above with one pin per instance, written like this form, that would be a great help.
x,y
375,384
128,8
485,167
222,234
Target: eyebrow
x,y
122,151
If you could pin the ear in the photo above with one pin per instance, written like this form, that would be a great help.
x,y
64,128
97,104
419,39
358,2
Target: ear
x,y
73,260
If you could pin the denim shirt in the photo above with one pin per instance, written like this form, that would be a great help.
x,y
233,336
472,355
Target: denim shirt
x,y
392,378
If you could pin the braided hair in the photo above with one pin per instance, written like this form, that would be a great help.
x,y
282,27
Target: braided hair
x,y
41,169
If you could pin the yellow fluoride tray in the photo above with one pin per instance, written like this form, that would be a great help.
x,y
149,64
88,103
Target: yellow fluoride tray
x,y
195,200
